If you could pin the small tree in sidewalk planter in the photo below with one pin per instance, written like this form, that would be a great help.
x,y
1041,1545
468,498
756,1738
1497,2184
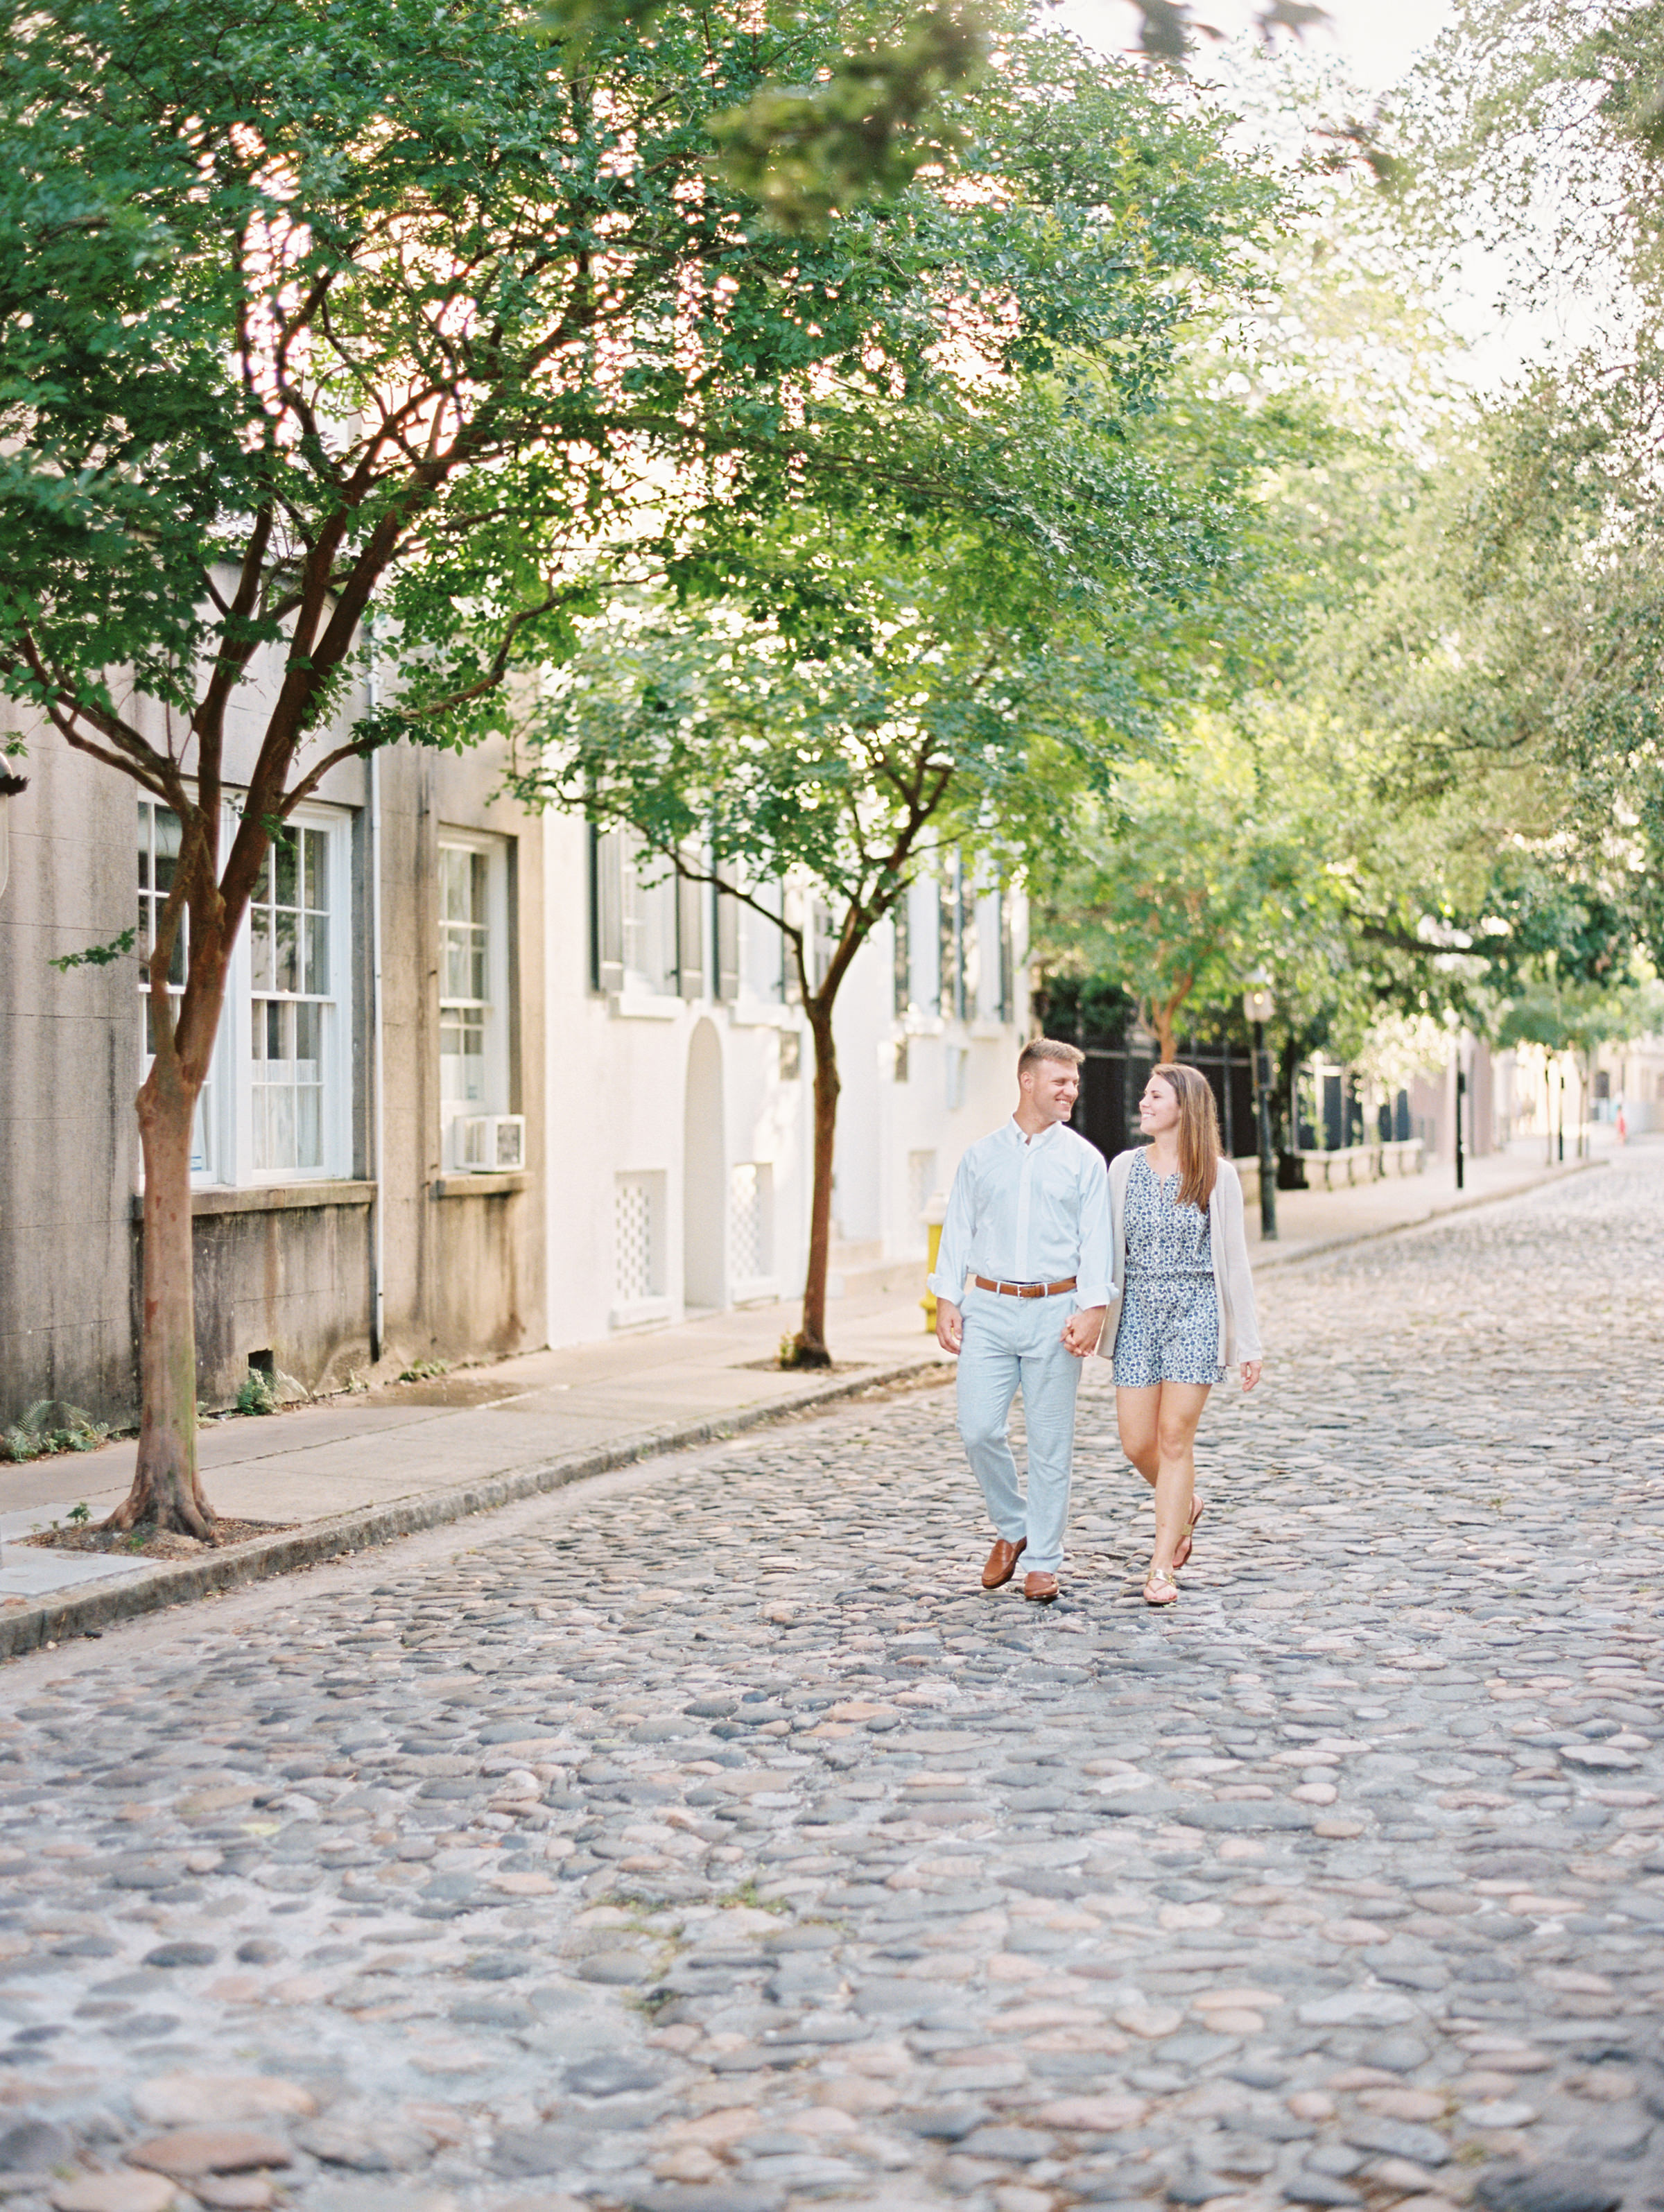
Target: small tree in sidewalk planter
x,y
364,303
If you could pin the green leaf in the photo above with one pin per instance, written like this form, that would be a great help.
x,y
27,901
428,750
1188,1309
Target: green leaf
x,y
96,955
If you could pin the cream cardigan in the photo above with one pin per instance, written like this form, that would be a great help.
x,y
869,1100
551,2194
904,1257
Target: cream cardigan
x,y
1239,1325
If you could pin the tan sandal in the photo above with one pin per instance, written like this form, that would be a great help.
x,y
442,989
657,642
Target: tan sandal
x,y
1187,1542
1160,1586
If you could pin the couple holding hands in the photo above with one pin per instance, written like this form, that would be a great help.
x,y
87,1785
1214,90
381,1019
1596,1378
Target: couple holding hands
x,y
1145,1264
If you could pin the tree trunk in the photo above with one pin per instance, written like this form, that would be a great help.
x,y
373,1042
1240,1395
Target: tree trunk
x,y
165,1491
1163,1019
809,1346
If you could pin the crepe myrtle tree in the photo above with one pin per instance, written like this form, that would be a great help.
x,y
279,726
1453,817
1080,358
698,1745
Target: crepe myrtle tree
x,y
461,316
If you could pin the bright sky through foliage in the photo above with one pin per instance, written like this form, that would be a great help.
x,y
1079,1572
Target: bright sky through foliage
x,y
1377,41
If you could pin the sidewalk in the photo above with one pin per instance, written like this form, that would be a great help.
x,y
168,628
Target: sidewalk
x,y
355,1471
1311,1221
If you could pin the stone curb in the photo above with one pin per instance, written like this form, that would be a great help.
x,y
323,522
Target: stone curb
x,y
55,1619
1261,1260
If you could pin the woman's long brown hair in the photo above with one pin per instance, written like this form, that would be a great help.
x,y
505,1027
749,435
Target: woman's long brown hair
x,y
1198,1132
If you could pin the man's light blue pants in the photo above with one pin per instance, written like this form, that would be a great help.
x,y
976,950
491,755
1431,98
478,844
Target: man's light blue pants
x,y
1013,1344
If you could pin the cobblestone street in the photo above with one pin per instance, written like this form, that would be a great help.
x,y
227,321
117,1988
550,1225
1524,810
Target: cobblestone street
x,y
702,1840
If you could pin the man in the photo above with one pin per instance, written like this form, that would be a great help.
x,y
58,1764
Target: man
x,y
1029,1220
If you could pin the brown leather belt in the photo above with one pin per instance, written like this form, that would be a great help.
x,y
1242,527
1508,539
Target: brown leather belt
x,y
1024,1290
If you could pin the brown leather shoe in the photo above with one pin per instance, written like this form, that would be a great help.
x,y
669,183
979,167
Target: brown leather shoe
x,y
1001,1563
1042,1589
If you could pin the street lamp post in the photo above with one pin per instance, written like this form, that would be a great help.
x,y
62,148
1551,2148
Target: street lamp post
x,y
1462,1093
1258,1007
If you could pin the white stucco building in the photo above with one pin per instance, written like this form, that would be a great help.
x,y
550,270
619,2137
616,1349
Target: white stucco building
x,y
679,1084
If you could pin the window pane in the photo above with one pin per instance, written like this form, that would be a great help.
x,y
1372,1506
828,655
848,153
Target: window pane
x,y
144,846
262,881
286,858
453,884
308,1030
167,847
280,1112
274,1011
318,885
462,1058
453,982
477,867
260,946
176,965
318,954
258,1041
287,974
476,976
309,1127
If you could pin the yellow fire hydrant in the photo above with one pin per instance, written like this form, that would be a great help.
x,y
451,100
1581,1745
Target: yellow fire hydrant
x,y
935,1214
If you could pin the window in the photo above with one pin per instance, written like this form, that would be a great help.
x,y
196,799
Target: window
x,y
726,911
822,940
901,958
649,917
290,1002
474,1071
278,1101
951,958
762,952
158,858
464,998
1007,959
970,948
632,917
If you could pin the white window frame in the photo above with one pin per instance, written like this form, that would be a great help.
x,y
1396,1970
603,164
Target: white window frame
x,y
225,1156
336,1128
498,1069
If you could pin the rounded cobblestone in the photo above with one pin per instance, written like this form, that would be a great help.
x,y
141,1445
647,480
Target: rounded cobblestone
x,y
711,1843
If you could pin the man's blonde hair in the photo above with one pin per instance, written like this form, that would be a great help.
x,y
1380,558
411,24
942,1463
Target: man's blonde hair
x,y
1038,1048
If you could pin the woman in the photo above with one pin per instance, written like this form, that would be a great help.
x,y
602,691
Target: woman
x,y
1186,1303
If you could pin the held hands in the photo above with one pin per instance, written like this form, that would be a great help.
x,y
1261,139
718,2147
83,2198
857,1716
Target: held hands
x,y
1250,1373
1082,1330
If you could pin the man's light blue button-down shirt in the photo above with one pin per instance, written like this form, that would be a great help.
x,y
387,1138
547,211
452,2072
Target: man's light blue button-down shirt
x,y
1029,1210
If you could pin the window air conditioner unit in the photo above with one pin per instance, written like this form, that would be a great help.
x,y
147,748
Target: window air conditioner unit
x,y
488,1143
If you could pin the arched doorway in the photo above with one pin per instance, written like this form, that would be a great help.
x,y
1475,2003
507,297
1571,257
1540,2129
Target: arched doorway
x,y
704,1176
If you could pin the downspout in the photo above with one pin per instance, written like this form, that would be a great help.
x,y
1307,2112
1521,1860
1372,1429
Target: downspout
x,y
378,1119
